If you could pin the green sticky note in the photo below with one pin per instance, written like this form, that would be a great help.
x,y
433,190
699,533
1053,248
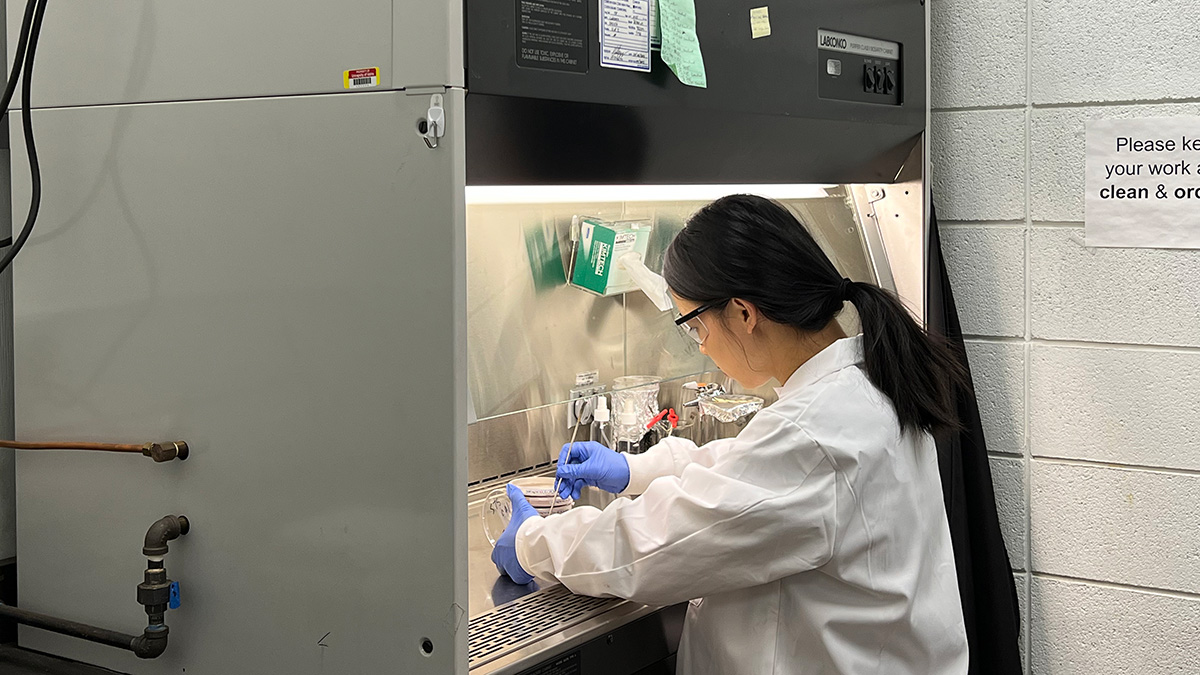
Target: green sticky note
x,y
680,46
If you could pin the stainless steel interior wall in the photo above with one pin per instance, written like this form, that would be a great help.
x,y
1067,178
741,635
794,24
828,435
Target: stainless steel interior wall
x,y
531,439
530,333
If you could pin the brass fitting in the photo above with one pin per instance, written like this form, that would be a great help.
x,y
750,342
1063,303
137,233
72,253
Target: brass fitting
x,y
165,452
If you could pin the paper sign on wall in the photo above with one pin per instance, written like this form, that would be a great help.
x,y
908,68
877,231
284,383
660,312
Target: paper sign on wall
x,y
1143,183
625,34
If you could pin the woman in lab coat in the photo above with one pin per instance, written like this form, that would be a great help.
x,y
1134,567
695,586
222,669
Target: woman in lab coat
x,y
816,541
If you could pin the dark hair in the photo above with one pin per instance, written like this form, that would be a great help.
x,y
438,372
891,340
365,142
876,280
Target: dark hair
x,y
754,249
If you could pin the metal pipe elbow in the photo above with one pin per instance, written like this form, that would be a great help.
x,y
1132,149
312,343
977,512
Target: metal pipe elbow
x,y
162,531
151,643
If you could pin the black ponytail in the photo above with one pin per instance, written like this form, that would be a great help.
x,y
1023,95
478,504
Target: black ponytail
x,y
915,369
754,249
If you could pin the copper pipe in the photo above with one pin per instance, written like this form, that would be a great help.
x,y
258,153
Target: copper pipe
x,y
104,447
159,452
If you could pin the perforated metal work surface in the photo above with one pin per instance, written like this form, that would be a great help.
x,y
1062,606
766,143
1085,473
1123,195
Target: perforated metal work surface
x,y
526,620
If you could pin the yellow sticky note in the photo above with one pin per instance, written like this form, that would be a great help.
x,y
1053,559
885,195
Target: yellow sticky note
x,y
760,22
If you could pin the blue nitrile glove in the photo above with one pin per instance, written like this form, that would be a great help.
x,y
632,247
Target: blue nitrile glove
x,y
589,463
505,552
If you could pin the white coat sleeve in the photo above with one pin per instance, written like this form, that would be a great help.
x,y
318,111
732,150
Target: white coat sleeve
x,y
669,458
764,510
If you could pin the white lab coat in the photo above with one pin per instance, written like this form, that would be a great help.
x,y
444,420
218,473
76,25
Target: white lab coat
x,y
816,541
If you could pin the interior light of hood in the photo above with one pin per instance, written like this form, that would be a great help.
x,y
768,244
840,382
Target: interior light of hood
x,y
558,194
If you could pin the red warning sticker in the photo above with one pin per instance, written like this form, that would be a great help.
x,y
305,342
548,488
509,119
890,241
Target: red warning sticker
x,y
361,78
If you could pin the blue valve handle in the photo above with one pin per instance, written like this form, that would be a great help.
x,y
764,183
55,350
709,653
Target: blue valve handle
x,y
174,600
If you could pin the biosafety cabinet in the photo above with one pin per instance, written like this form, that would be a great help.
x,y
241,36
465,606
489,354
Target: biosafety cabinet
x,y
326,245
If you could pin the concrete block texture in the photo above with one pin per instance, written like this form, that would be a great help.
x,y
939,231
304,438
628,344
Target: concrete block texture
x,y
998,371
1057,154
977,53
1129,296
1127,406
987,271
1022,583
1008,480
979,164
1083,50
1083,629
1125,526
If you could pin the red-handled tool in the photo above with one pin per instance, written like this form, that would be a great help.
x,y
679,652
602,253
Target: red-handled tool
x,y
669,414
657,418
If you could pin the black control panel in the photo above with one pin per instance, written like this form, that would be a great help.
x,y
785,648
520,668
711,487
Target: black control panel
x,y
860,69
879,78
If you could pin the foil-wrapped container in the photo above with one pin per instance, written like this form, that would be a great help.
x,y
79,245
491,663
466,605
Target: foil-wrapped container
x,y
730,407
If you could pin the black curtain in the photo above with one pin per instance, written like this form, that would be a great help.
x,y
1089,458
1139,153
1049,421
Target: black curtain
x,y
985,579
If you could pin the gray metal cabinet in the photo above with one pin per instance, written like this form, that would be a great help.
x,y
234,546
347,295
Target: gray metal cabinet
x,y
147,50
280,283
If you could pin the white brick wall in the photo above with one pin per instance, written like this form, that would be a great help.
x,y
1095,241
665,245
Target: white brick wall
x,y
981,164
1140,50
998,370
1086,361
1129,296
1022,583
987,42
1087,629
991,261
1008,479
1124,406
1124,526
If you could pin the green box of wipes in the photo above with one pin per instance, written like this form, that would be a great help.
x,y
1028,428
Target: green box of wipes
x,y
601,245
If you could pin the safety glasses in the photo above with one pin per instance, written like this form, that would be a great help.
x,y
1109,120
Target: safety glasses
x,y
691,323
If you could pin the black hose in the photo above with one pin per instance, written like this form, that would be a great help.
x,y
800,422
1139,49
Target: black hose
x,y
35,172
73,628
15,74
19,57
